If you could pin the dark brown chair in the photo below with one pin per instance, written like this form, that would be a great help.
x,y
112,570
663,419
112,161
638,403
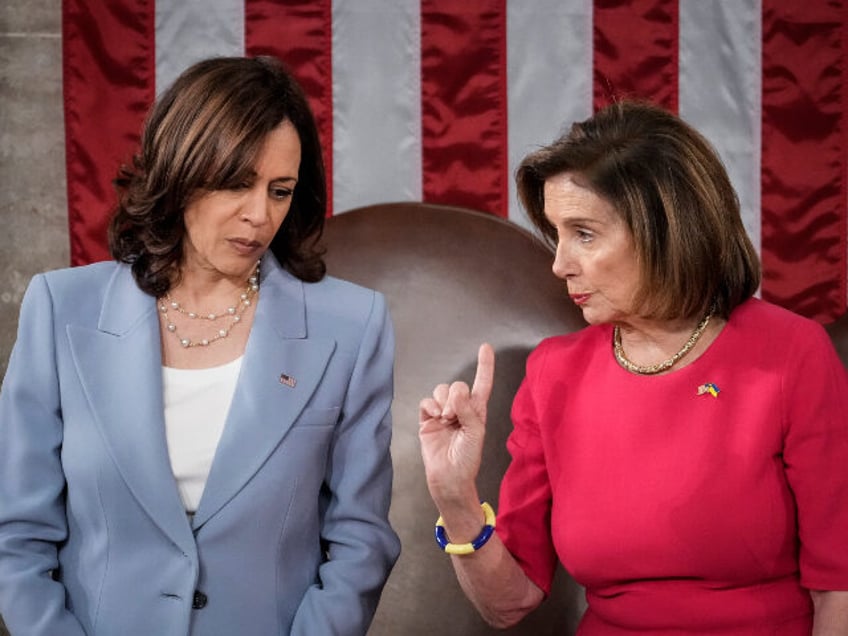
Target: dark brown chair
x,y
838,332
453,278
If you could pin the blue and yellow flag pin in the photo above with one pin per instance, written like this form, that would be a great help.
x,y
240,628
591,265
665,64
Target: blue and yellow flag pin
x,y
710,388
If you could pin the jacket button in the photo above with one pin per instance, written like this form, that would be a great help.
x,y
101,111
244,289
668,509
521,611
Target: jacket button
x,y
199,601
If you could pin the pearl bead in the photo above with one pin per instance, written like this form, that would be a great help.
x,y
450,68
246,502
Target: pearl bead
x,y
234,312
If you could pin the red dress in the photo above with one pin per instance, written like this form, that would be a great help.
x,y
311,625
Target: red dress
x,y
680,512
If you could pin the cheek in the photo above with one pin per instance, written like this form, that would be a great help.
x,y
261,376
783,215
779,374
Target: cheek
x,y
191,227
196,232
624,284
616,274
202,220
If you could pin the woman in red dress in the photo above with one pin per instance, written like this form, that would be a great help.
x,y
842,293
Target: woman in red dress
x,y
685,456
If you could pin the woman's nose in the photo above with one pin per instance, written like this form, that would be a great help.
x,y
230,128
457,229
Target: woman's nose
x,y
563,265
254,208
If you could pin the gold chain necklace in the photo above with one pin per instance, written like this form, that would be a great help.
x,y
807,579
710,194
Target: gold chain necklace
x,y
652,369
233,312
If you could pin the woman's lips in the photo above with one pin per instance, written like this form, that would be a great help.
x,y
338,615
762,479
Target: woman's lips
x,y
245,246
579,299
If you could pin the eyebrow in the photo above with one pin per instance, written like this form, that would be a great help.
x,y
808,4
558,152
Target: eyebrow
x,y
579,220
252,174
284,179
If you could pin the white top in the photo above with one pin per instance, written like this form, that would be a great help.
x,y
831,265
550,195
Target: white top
x,y
196,405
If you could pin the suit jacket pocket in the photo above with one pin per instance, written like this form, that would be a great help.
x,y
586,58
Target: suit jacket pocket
x,y
317,417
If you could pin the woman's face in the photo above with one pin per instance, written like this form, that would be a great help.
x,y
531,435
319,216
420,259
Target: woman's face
x,y
228,230
596,255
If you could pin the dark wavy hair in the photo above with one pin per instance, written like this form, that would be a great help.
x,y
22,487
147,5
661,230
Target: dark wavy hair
x,y
671,189
206,133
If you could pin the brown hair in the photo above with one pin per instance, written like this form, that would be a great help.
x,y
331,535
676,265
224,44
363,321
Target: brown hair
x,y
671,189
205,133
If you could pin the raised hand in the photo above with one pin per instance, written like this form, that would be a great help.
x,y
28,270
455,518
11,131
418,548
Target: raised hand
x,y
452,425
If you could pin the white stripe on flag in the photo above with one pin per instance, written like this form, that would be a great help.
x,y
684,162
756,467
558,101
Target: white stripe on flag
x,y
188,31
376,102
549,77
720,85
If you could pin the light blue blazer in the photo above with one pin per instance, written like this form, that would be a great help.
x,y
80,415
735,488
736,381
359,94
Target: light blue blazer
x,y
291,535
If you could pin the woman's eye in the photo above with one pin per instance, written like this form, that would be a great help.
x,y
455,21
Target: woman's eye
x,y
583,236
281,193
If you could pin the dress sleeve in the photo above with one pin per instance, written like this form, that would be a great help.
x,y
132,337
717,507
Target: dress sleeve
x,y
524,507
816,458
361,546
32,484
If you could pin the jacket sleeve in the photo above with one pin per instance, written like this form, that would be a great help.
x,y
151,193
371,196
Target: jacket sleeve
x,y
525,499
816,457
32,484
361,547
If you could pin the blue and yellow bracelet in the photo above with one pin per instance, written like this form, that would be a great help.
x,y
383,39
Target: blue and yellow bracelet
x,y
472,546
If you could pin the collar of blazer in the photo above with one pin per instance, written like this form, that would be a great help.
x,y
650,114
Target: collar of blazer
x,y
119,366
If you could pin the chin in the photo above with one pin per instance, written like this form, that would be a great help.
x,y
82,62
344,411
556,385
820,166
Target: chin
x,y
595,317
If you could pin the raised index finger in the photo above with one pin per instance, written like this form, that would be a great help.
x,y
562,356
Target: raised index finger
x,y
484,378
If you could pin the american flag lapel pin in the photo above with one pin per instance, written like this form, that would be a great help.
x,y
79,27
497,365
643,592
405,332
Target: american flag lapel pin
x,y
710,388
287,380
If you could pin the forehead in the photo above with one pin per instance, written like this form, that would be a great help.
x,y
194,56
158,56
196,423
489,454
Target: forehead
x,y
280,150
283,139
566,197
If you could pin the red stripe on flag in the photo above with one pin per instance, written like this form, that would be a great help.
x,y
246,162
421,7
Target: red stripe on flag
x,y
464,104
299,32
635,51
109,74
804,156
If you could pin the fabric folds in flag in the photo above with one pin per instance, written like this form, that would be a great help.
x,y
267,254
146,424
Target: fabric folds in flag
x,y
437,100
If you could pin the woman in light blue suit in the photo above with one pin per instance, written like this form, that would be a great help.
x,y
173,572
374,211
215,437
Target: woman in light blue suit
x,y
194,439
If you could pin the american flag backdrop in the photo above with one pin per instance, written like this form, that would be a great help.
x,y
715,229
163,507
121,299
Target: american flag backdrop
x,y
438,100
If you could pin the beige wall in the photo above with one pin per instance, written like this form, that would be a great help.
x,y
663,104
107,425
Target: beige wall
x,y
33,234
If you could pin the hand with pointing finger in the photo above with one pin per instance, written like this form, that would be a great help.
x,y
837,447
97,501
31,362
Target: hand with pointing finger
x,y
452,425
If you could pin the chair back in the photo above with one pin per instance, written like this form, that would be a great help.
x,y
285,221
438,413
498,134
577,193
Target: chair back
x,y
453,278
838,332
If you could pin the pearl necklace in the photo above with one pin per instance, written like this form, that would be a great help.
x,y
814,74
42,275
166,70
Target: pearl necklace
x,y
652,369
233,312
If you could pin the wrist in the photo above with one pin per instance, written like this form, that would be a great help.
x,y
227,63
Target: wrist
x,y
462,517
454,546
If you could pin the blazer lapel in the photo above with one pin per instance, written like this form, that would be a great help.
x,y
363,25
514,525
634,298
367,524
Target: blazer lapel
x,y
119,365
279,373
